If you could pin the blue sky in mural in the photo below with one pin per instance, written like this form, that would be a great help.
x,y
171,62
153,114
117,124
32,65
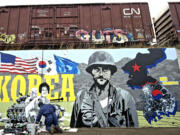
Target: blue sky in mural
x,y
82,55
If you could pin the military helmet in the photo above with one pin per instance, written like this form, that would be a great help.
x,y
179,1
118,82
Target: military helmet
x,y
101,58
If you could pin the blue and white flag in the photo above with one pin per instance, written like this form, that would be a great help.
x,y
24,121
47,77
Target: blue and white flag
x,y
66,66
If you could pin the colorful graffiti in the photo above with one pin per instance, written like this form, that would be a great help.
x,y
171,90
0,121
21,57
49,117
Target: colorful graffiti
x,y
21,36
108,35
7,39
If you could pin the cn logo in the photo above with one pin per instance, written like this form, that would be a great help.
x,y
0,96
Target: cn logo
x,y
131,11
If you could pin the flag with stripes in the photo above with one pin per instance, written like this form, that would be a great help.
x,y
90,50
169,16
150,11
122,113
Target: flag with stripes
x,y
16,65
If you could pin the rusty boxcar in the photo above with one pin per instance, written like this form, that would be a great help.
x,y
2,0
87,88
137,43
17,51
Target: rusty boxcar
x,y
167,25
175,13
53,25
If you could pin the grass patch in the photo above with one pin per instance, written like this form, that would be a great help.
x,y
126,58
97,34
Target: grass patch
x,y
172,121
4,107
68,110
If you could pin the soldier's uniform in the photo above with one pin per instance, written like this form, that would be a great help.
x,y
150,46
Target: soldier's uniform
x,y
115,108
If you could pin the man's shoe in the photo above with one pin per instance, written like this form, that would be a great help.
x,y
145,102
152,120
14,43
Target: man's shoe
x,y
52,129
58,129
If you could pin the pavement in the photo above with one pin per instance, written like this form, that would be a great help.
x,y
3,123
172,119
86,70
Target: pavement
x,y
118,131
123,131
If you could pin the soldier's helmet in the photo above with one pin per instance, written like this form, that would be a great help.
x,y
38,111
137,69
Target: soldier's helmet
x,y
101,58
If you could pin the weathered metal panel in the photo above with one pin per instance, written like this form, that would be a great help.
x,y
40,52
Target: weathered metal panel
x,y
116,16
175,14
67,15
146,19
42,12
96,17
68,11
106,16
137,24
66,19
42,23
85,17
130,21
13,21
4,16
23,24
127,17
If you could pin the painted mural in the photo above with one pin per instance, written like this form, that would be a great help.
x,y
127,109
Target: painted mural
x,y
89,88
108,35
158,100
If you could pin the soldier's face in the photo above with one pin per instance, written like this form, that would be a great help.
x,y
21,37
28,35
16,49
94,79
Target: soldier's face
x,y
44,92
101,75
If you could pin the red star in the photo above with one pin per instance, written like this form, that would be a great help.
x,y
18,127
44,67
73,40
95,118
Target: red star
x,y
136,67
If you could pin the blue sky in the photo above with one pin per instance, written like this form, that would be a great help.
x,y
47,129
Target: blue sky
x,y
82,55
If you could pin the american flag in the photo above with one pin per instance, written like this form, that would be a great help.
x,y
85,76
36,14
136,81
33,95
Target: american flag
x,y
16,65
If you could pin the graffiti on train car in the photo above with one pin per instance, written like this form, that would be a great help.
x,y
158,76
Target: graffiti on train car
x,y
7,39
108,35
22,36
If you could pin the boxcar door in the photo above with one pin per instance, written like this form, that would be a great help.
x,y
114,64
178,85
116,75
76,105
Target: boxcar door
x,y
67,22
42,24
4,15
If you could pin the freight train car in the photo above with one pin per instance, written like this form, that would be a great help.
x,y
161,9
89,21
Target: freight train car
x,y
55,25
167,25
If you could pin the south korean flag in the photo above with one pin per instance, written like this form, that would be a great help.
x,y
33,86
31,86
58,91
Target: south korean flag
x,y
45,66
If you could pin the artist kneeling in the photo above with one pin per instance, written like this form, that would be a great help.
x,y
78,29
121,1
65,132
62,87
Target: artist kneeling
x,y
51,121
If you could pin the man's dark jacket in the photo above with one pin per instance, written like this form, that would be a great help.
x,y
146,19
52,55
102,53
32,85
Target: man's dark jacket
x,y
119,112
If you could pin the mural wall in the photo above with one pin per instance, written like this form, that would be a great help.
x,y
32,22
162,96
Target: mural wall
x,y
93,87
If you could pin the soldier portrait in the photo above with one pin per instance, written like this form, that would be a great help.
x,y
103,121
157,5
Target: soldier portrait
x,y
103,105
